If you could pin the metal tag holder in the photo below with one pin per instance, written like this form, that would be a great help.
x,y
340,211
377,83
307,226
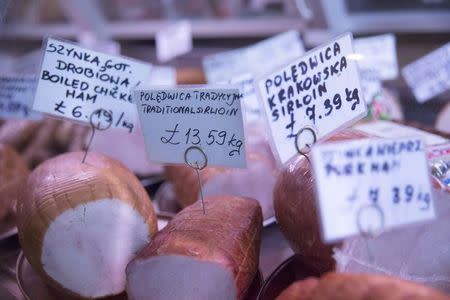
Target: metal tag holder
x,y
195,165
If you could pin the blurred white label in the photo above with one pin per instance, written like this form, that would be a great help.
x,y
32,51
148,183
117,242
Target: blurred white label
x,y
173,41
89,40
386,129
429,76
258,59
163,76
371,185
176,119
27,64
370,84
74,82
16,98
379,54
321,89
246,86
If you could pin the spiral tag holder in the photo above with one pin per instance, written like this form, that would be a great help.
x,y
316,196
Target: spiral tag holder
x,y
197,167
300,150
101,120
369,232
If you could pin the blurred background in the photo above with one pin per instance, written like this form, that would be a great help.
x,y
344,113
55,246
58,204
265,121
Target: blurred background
x,y
420,26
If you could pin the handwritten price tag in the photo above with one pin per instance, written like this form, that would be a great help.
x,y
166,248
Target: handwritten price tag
x,y
353,178
16,98
74,82
429,76
174,119
321,89
274,52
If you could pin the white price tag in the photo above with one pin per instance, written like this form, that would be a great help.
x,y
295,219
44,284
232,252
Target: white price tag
x,y
173,40
173,120
429,76
257,59
252,110
16,98
379,54
371,185
387,129
74,82
321,89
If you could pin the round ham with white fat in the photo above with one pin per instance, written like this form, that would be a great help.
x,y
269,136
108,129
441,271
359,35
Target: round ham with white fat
x,y
81,223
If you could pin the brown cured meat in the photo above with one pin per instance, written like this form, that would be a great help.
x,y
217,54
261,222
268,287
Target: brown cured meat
x,y
43,141
256,181
197,256
295,208
13,173
18,133
185,182
335,286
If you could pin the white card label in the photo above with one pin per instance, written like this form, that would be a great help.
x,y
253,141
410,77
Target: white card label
x,y
16,98
370,84
386,129
250,101
321,89
74,82
355,178
173,41
429,76
258,59
173,120
163,76
379,54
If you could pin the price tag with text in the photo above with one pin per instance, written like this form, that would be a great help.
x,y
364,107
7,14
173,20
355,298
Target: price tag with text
x,y
16,98
273,52
371,185
74,82
429,76
379,54
175,119
321,89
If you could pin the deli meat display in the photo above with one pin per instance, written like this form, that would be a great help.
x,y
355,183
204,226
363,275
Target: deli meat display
x,y
235,150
